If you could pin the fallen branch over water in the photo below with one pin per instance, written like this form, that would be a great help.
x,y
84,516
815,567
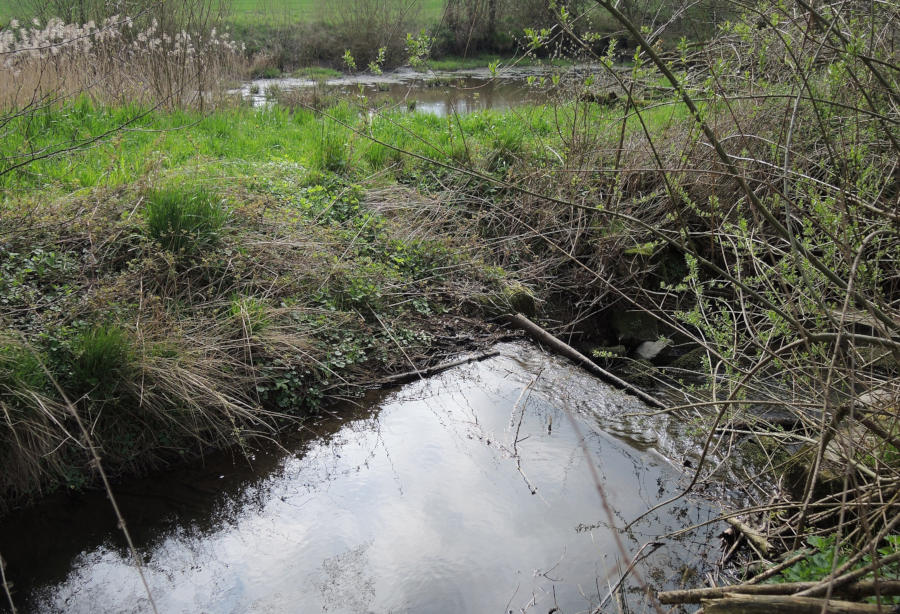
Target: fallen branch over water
x,y
409,376
733,603
542,336
857,590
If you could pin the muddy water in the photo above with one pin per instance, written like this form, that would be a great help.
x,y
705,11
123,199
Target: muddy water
x,y
440,93
456,494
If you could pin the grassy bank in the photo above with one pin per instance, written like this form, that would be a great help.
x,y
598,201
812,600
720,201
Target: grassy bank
x,y
340,138
199,279
485,60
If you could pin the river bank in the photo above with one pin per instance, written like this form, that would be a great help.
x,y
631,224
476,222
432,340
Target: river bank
x,y
316,257
184,304
235,266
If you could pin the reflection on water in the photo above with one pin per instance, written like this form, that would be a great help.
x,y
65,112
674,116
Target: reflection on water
x,y
441,93
421,502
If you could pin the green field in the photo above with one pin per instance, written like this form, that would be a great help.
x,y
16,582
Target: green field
x,y
267,11
306,10
7,11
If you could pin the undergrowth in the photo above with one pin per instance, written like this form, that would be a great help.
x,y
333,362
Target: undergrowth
x,y
179,317
825,554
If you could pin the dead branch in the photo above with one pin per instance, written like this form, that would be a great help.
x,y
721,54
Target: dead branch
x,y
857,590
733,603
542,336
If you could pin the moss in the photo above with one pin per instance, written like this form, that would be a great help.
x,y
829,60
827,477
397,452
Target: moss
x,y
690,361
520,298
508,297
797,468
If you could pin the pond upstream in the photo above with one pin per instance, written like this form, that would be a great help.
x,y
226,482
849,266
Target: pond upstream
x,y
441,93
467,492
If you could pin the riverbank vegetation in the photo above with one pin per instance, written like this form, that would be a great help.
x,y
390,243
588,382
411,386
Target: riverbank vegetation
x,y
188,269
188,280
283,37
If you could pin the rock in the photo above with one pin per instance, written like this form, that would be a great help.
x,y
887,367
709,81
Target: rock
x,y
520,298
796,473
648,350
879,358
877,399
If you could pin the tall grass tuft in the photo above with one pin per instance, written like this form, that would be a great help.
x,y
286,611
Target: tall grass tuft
x,y
102,357
29,418
331,152
507,145
20,371
185,220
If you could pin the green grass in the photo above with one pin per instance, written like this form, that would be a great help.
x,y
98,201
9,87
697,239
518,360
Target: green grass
x,y
259,11
102,357
285,11
184,220
243,136
171,319
20,370
484,60
8,10
316,73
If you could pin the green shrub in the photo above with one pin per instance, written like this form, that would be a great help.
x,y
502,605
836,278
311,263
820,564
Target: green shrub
x,y
183,219
268,72
359,287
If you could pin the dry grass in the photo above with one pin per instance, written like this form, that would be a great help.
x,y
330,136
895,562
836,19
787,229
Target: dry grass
x,y
119,61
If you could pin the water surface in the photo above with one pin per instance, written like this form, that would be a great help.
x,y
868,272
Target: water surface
x,y
468,492
440,93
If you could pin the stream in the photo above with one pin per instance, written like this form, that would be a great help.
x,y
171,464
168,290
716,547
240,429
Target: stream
x,y
467,492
